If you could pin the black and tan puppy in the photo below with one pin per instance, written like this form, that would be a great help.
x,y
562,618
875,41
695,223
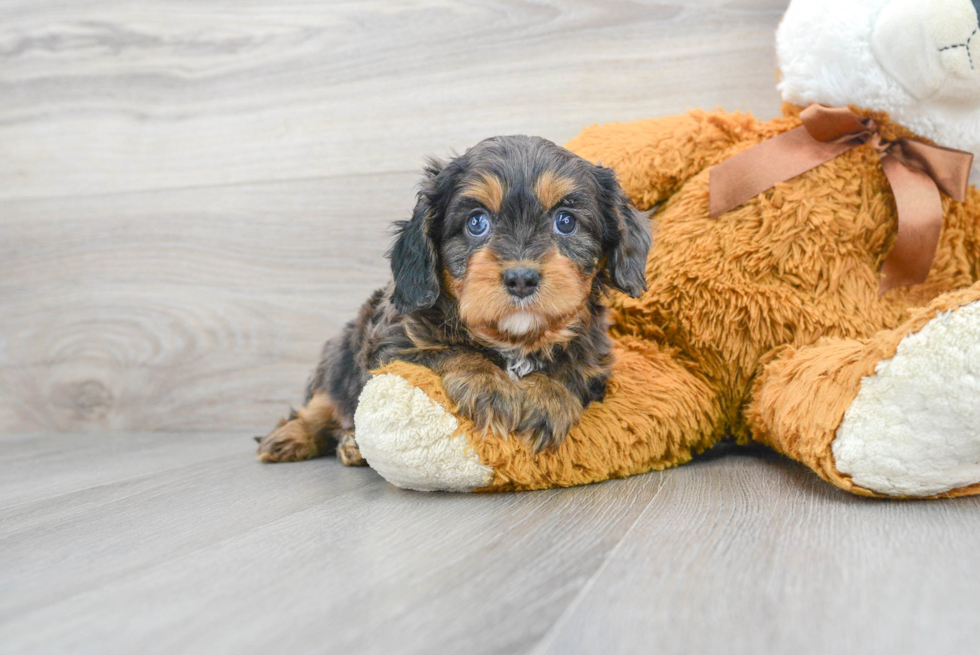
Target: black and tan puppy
x,y
498,284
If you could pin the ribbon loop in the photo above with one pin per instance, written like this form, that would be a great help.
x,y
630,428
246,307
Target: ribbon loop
x,y
916,171
834,123
948,168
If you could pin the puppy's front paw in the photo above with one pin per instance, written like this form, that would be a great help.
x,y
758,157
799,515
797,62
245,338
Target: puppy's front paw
x,y
545,428
291,441
549,411
491,401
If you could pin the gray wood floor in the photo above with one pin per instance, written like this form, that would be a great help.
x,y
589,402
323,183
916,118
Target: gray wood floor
x,y
194,194
179,543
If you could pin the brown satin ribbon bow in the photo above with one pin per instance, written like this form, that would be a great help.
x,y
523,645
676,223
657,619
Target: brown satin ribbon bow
x,y
915,170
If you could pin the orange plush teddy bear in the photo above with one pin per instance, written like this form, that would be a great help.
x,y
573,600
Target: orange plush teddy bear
x,y
813,283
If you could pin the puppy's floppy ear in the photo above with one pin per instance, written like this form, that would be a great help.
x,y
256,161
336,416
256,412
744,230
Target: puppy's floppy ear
x,y
413,255
628,235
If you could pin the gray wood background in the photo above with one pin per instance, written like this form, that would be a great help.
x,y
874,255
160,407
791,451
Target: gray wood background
x,y
195,194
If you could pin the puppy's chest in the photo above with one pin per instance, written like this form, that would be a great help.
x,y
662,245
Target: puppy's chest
x,y
517,366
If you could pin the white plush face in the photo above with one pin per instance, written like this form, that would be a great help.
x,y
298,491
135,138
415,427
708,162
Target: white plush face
x,y
919,60
932,48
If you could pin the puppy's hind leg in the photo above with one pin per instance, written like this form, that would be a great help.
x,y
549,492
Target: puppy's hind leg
x,y
309,432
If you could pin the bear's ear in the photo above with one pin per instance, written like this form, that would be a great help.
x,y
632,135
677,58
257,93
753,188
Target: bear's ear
x,y
628,237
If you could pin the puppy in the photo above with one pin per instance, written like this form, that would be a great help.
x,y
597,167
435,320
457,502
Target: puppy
x,y
498,281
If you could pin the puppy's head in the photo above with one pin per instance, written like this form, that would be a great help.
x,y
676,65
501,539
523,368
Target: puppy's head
x,y
519,233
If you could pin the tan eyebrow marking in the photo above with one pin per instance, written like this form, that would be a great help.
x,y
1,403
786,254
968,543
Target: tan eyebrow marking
x,y
488,190
550,188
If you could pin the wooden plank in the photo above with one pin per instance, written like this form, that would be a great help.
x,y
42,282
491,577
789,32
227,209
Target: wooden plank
x,y
735,554
99,97
57,549
226,555
43,466
760,556
184,310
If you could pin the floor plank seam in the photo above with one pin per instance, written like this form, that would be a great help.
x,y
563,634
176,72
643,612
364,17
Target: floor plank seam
x,y
142,568
566,614
130,478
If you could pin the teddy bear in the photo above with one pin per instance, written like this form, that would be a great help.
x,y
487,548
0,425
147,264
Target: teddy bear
x,y
814,283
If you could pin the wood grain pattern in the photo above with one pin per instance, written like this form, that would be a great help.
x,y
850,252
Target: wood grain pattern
x,y
194,195
227,555
104,98
183,310
219,554
762,557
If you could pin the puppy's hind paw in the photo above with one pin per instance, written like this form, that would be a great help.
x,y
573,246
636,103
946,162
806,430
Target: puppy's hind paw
x,y
348,453
291,441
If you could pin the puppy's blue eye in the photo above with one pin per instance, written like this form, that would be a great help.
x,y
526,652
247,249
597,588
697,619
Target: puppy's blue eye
x,y
478,225
564,223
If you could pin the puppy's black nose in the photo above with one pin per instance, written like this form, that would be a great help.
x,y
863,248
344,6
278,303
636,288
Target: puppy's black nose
x,y
521,282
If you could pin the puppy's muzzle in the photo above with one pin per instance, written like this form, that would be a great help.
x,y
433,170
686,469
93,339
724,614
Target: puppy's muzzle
x,y
521,282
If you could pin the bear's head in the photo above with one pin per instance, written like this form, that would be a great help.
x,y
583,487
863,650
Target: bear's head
x,y
918,60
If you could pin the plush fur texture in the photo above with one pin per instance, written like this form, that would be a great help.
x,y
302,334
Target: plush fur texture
x,y
912,429
801,400
442,459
